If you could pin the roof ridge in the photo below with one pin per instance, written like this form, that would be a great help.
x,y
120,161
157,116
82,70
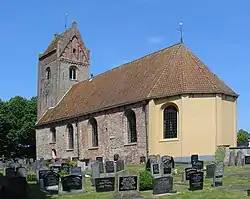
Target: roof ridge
x,y
163,72
195,61
134,60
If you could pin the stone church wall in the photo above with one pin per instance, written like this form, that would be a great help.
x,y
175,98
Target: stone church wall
x,y
112,137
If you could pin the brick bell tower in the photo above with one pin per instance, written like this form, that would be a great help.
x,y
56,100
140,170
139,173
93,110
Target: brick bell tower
x,y
65,62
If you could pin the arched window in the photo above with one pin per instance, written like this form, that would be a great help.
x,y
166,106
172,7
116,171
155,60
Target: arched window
x,y
53,134
70,136
131,126
48,73
94,131
72,72
170,122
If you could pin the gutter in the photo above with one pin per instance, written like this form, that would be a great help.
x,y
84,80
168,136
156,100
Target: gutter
x,y
146,128
78,137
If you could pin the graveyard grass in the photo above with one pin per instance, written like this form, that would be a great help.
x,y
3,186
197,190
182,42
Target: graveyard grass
x,y
181,187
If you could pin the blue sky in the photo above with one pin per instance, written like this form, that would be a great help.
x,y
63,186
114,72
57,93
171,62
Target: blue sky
x,y
119,31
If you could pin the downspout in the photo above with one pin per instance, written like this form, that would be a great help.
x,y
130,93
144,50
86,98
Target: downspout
x,y
146,128
78,137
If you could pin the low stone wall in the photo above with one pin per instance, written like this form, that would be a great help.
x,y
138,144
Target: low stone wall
x,y
244,150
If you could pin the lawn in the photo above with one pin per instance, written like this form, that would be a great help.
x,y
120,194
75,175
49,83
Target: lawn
x,y
182,188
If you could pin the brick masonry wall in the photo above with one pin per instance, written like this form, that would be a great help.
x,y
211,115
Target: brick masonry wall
x,y
112,135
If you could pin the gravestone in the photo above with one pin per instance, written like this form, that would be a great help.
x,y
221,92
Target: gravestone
x,y
167,163
163,185
119,165
22,172
43,172
99,159
10,172
105,184
194,158
56,167
155,170
232,158
198,165
72,183
210,169
51,182
101,167
127,185
151,159
116,157
218,174
95,172
75,170
188,172
239,158
65,167
142,160
110,168
247,160
196,181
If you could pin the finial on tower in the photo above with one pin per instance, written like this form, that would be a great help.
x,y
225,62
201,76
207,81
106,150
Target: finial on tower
x,y
74,24
181,31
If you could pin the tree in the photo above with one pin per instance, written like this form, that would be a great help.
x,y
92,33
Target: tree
x,y
17,126
242,136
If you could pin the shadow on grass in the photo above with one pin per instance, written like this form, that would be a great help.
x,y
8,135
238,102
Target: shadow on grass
x,y
35,193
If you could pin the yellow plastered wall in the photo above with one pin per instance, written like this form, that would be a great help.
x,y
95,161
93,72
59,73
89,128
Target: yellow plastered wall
x,y
204,122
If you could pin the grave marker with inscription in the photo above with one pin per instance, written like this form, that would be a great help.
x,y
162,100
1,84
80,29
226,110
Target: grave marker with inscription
x,y
72,183
198,165
196,181
247,160
110,168
105,184
51,182
119,165
210,169
127,185
188,172
194,158
163,185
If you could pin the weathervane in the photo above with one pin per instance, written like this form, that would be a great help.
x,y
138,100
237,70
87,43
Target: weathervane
x,y
65,15
181,31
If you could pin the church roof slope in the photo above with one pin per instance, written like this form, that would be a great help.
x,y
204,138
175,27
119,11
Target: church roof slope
x,y
172,71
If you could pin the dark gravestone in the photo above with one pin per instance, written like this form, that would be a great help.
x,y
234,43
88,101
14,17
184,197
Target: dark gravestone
x,y
151,159
128,183
110,168
163,185
10,172
142,160
198,165
18,188
210,169
22,172
188,172
196,181
119,165
99,159
156,169
56,168
168,160
101,167
239,158
105,184
51,179
247,159
116,157
75,170
42,173
65,167
71,183
232,158
218,174
194,158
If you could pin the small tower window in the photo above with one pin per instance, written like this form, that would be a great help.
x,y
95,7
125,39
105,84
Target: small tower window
x,y
48,73
53,134
70,137
72,72
74,50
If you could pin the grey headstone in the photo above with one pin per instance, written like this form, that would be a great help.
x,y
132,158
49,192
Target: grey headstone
x,y
127,185
239,158
110,167
232,158
163,185
119,165
22,172
95,172
210,169
218,174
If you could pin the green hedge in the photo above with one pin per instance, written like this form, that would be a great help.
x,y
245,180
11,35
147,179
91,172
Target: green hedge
x,y
146,181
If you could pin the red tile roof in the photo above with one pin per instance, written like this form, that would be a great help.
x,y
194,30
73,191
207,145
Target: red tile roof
x,y
172,71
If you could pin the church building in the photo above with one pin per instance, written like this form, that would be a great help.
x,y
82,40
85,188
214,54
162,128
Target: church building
x,y
167,103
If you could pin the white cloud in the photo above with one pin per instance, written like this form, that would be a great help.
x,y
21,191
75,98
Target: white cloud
x,y
155,39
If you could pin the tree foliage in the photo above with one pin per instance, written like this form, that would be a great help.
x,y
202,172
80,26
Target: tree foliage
x,y
17,126
242,136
